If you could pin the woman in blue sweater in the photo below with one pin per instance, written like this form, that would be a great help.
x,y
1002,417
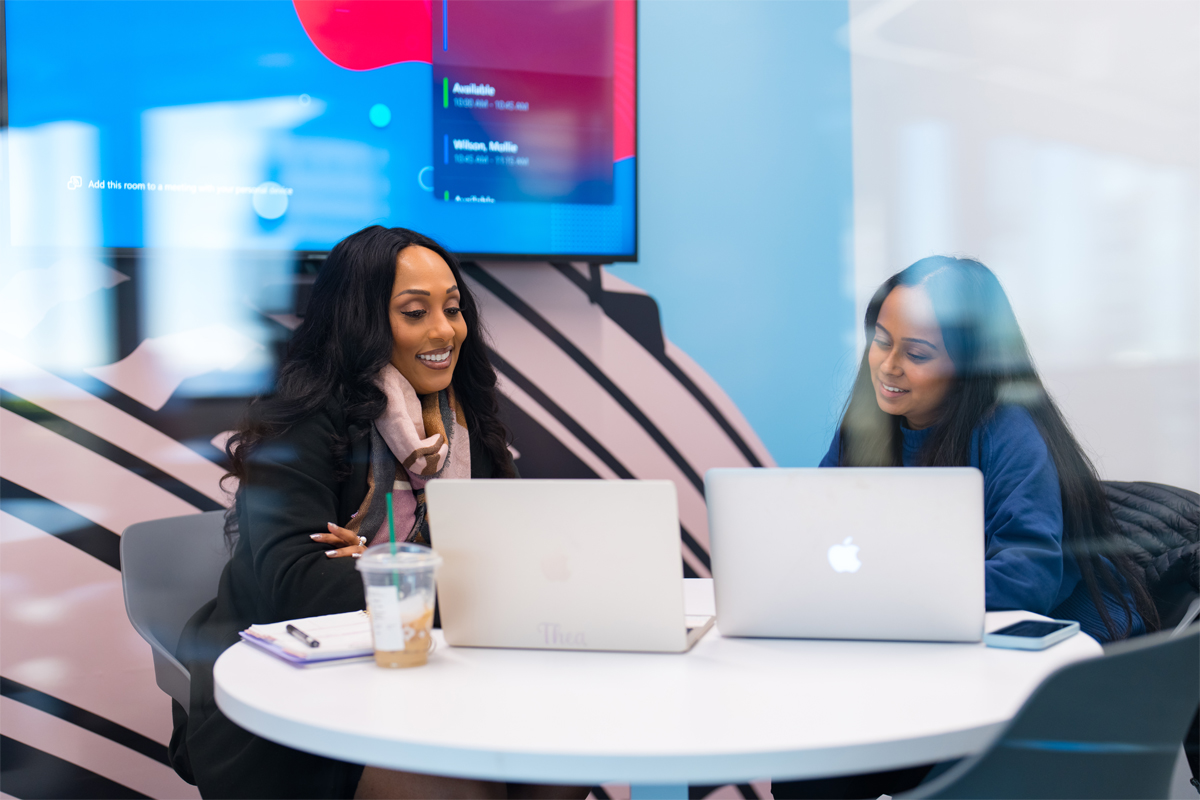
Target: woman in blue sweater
x,y
947,380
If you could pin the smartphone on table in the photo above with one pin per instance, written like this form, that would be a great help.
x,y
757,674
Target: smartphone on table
x,y
1032,634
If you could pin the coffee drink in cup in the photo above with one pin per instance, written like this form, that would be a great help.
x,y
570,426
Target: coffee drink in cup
x,y
400,592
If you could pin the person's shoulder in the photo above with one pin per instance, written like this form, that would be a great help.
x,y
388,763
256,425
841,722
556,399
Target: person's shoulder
x,y
311,434
833,455
1010,433
1011,420
328,418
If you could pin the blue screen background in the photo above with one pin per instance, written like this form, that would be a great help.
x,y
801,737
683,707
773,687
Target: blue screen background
x,y
167,85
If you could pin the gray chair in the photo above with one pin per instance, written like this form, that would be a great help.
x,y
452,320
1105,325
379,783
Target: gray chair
x,y
1106,727
169,568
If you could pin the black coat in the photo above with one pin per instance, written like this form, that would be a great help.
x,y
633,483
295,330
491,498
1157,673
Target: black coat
x,y
276,573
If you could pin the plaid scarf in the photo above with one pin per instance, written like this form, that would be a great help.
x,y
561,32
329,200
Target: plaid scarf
x,y
417,438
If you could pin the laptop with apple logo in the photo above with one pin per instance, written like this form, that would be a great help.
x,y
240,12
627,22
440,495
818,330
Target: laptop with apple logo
x,y
848,553
561,565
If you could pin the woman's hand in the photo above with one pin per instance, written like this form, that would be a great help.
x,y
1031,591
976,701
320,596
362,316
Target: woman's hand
x,y
344,542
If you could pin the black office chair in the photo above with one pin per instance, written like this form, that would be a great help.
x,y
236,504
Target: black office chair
x,y
1161,526
1107,727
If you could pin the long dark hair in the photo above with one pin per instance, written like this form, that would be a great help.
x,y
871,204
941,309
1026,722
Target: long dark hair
x,y
346,338
992,367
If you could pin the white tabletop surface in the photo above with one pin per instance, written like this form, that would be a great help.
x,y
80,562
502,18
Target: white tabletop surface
x,y
731,710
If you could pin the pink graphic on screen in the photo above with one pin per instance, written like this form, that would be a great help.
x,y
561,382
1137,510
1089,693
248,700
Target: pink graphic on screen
x,y
367,34
624,79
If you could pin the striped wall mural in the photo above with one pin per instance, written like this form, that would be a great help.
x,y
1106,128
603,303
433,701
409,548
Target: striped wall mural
x,y
591,388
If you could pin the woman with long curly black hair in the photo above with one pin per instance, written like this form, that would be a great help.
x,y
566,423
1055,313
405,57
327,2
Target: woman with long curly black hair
x,y
386,384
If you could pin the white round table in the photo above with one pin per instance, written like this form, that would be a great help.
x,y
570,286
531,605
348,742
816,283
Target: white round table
x,y
731,710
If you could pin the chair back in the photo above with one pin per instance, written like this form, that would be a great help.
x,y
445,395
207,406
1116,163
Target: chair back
x,y
1108,727
1161,526
169,568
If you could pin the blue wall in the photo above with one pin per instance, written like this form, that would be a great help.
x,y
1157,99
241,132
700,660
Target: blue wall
x,y
746,204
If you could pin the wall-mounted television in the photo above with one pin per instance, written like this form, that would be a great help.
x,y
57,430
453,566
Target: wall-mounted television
x,y
502,128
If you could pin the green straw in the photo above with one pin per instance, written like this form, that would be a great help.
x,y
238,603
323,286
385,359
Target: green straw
x,y
392,537
391,523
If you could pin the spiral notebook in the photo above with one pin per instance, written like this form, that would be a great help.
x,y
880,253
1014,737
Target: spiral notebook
x,y
342,637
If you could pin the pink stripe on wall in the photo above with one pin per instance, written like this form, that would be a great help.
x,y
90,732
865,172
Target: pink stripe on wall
x,y
712,390
89,412
156,367
64,631
75,477
577,393
552,426
580,450
671,407
93,752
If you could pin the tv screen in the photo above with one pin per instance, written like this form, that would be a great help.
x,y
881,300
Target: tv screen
x,y
502,128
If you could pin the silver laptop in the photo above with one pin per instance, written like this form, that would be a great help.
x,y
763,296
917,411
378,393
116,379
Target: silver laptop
x,y
848,553
562,565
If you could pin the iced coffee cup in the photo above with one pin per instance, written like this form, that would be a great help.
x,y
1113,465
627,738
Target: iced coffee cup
x,y
400,595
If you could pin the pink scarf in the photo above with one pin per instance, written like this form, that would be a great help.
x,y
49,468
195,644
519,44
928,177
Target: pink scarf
x,y
428,437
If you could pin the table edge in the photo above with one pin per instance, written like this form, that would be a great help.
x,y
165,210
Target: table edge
x,y
730,767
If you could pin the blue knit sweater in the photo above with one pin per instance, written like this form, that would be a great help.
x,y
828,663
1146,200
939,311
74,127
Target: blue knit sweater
x,y
1026,566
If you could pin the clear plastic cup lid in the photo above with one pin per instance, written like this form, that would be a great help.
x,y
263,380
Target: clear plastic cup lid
x,y
408,556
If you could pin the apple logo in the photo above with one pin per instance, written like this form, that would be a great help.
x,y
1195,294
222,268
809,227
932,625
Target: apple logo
x,y
554,567
844,557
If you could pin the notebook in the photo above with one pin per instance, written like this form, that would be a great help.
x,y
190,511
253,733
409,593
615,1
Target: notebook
x,y
342,637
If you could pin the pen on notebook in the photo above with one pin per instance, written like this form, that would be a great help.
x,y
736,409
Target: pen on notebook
x,y
302,636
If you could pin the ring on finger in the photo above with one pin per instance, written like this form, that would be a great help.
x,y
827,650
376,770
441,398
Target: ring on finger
x,y
362,541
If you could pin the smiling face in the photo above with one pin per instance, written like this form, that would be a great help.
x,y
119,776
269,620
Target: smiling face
x,y
910,369
427,324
